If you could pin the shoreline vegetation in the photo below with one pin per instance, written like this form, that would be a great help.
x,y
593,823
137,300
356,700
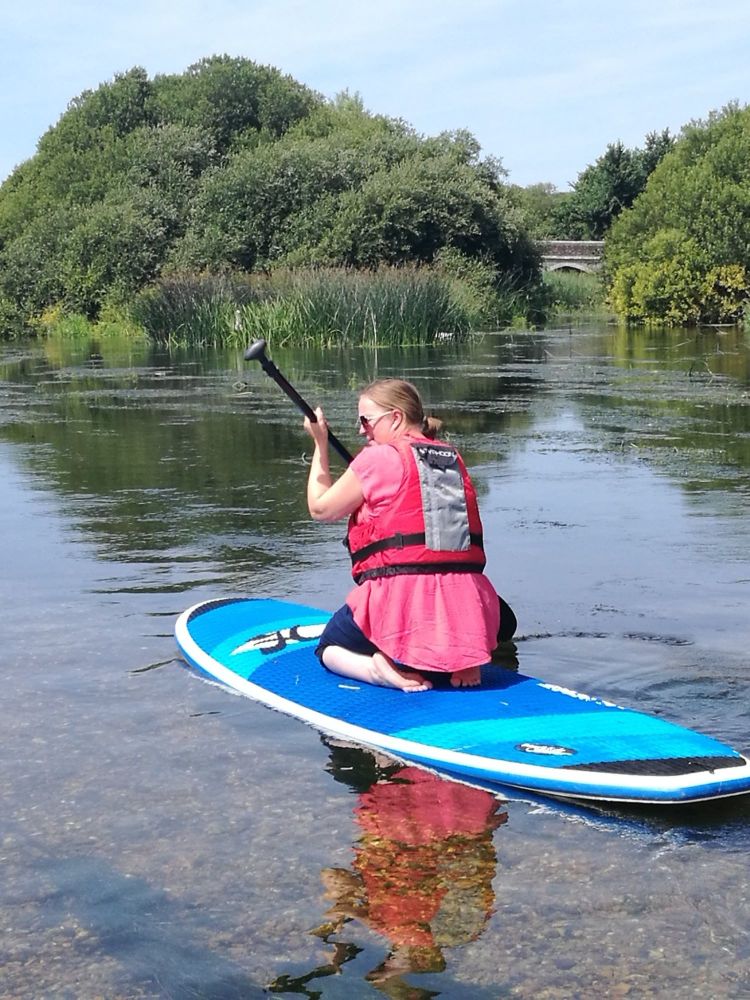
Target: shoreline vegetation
x,y
192,208
390,305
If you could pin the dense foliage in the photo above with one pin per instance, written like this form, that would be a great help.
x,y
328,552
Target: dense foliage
x,y
543,208
681,254
608,186
600,193
178,200
233,166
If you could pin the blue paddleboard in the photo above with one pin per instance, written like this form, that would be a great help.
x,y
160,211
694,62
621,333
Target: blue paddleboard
x,y
513,730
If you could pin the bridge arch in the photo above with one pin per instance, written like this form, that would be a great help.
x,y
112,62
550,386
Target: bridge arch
x,y
572,255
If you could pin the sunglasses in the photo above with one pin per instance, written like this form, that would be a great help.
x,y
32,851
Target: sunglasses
x,y
369,422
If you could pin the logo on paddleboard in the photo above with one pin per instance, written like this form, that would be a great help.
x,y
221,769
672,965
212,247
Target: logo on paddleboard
x,y
274,642
545,749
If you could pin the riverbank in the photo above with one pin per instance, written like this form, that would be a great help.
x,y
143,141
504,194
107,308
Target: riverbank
x,y
403,306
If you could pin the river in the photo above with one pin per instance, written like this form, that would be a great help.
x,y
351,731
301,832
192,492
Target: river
x,y
164,838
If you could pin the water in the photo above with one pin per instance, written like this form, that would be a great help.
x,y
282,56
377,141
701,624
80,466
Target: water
x,y
160,837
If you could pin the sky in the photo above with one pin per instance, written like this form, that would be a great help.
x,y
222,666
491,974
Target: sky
x,y
544,86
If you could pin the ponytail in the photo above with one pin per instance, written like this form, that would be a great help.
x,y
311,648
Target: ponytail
x,y
431,427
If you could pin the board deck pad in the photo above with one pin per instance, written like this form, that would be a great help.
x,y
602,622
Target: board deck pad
x,y
513,730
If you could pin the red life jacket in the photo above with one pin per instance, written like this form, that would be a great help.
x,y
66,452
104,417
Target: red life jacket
x,y
431,526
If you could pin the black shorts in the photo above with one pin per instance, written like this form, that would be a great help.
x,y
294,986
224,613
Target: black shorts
x,y
342,630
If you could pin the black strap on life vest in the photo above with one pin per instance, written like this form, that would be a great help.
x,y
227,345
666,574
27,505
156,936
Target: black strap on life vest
x,y
399,569
399,541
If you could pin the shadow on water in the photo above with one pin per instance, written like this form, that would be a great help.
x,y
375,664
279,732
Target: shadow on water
x,y
148,934
706,823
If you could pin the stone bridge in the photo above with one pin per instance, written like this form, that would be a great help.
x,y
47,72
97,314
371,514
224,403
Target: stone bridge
x,y
572,255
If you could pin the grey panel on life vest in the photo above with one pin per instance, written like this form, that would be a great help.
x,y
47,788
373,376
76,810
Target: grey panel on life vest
x,y
446,518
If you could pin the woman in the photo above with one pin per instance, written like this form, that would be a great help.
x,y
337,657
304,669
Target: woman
x,y
415,539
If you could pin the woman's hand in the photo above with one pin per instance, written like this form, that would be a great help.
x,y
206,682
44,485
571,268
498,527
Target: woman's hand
x,y
317,430
326,500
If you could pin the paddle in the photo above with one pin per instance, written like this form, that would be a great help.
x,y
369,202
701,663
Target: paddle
x,y
257,352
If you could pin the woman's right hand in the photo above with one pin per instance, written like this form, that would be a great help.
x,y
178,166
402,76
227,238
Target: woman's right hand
x,y
317,430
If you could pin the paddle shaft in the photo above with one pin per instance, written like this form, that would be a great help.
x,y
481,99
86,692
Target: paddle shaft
x,y
257,352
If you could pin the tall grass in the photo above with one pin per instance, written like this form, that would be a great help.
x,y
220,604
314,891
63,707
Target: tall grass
x,y
390,305
571,292
393,305
194,309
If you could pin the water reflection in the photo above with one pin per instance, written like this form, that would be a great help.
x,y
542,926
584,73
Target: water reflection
x,y
193,455
700,354
421,877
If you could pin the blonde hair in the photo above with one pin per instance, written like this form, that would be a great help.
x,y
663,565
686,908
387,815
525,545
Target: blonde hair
x,y
398,394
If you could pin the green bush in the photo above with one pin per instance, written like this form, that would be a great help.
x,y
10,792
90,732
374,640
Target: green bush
x,y
12,320
676,286
681,254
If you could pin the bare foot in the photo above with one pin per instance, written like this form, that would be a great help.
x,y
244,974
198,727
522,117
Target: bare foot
x,y
387,674
471,677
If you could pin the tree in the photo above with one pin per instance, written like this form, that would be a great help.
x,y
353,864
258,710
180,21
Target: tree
x,y
243,214
30,273
345,188
681,254
411,212
234,166
604,189
542,207
165,167
226,98
113,250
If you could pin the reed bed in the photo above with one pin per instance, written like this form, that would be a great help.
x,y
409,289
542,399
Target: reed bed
x,y
390,305
197,309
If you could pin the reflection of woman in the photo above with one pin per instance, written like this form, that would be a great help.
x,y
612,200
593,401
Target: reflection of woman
x,y
415,538
423,868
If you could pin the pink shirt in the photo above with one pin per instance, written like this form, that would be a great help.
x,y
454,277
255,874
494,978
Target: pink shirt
x,y
433,621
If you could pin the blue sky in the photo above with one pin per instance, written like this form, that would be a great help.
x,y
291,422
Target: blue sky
x,y
543,85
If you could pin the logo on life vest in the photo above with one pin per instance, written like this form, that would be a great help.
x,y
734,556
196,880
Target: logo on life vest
x,y
434,456
545,749
274,642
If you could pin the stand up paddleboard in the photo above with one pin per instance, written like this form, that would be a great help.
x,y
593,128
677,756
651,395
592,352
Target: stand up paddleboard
x,y
513,730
